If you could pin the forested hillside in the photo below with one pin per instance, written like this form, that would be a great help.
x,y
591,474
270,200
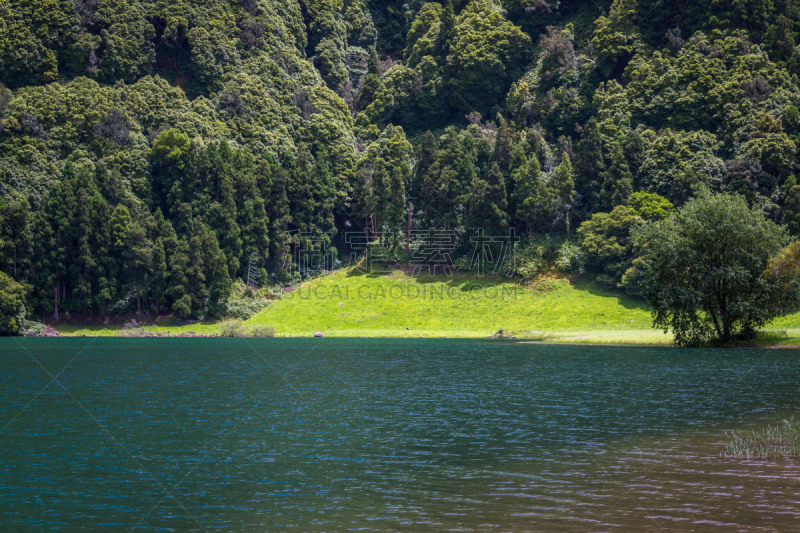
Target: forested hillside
x,y
150,149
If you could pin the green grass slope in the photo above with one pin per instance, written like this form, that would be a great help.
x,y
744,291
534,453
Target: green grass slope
x,y
352,303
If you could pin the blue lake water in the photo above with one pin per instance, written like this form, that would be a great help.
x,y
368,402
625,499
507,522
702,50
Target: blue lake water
x,y
387,435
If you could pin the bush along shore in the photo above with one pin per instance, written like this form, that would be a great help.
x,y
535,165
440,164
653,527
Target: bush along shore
x,y
779,441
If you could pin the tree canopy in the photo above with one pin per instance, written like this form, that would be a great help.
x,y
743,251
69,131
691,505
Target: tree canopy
x,y
702,269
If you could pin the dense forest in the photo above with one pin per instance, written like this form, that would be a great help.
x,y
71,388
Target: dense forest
x,y
152,152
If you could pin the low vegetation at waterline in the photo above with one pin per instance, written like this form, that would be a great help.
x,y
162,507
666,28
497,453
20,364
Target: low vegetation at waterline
x,y
237,328
771,442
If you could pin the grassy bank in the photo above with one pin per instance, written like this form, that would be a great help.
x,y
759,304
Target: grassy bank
x,y
350,303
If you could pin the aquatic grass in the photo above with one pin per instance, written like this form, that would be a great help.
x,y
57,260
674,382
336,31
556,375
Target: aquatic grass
x,y
771,442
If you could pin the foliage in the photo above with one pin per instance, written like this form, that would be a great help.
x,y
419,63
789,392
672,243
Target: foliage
x,y
650,207
529,261
570,259
701,269
12,306
783,270
606,240
486,52
232,328
262,332
243,308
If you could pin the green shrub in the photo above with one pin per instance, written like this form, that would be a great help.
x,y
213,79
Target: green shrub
x,y
262,332
31,328
242,308
528,261
570,258
12,305
232,328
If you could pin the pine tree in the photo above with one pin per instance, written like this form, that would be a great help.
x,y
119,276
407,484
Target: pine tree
x,y
324,188
530,195
487,204
280,221
617,180
83,267
791,206
43,261
221,285
15,233
445,188
562,187
425,158
60,216
178,290
160,276
503,148
590,167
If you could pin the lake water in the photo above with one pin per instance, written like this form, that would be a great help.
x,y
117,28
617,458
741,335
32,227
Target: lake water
x,y
387,435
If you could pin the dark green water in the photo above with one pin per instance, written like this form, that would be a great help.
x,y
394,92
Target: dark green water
x,y
387,435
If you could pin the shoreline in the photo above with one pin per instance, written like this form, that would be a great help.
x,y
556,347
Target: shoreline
x,y
553,310
607,338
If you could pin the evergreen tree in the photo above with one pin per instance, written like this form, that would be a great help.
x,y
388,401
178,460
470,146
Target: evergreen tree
x,y
16,238
12,306
590,167
446,30
617,180
383,172
179,290
443,190
531,197
791,206
562,187
160,276
280,221
220,289
487,204
425,157
83,268
503,148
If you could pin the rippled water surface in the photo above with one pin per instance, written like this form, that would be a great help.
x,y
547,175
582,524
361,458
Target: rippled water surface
x,y
387,435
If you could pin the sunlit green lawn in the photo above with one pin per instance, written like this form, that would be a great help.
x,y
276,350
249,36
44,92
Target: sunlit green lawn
x,y
351,303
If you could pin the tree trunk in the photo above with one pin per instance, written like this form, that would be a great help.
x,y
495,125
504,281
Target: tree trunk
x,y
716,323
726,330
408,232
55,301
138,305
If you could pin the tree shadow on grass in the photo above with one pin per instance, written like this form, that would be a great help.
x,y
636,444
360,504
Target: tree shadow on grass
x,y
461,281
625,300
